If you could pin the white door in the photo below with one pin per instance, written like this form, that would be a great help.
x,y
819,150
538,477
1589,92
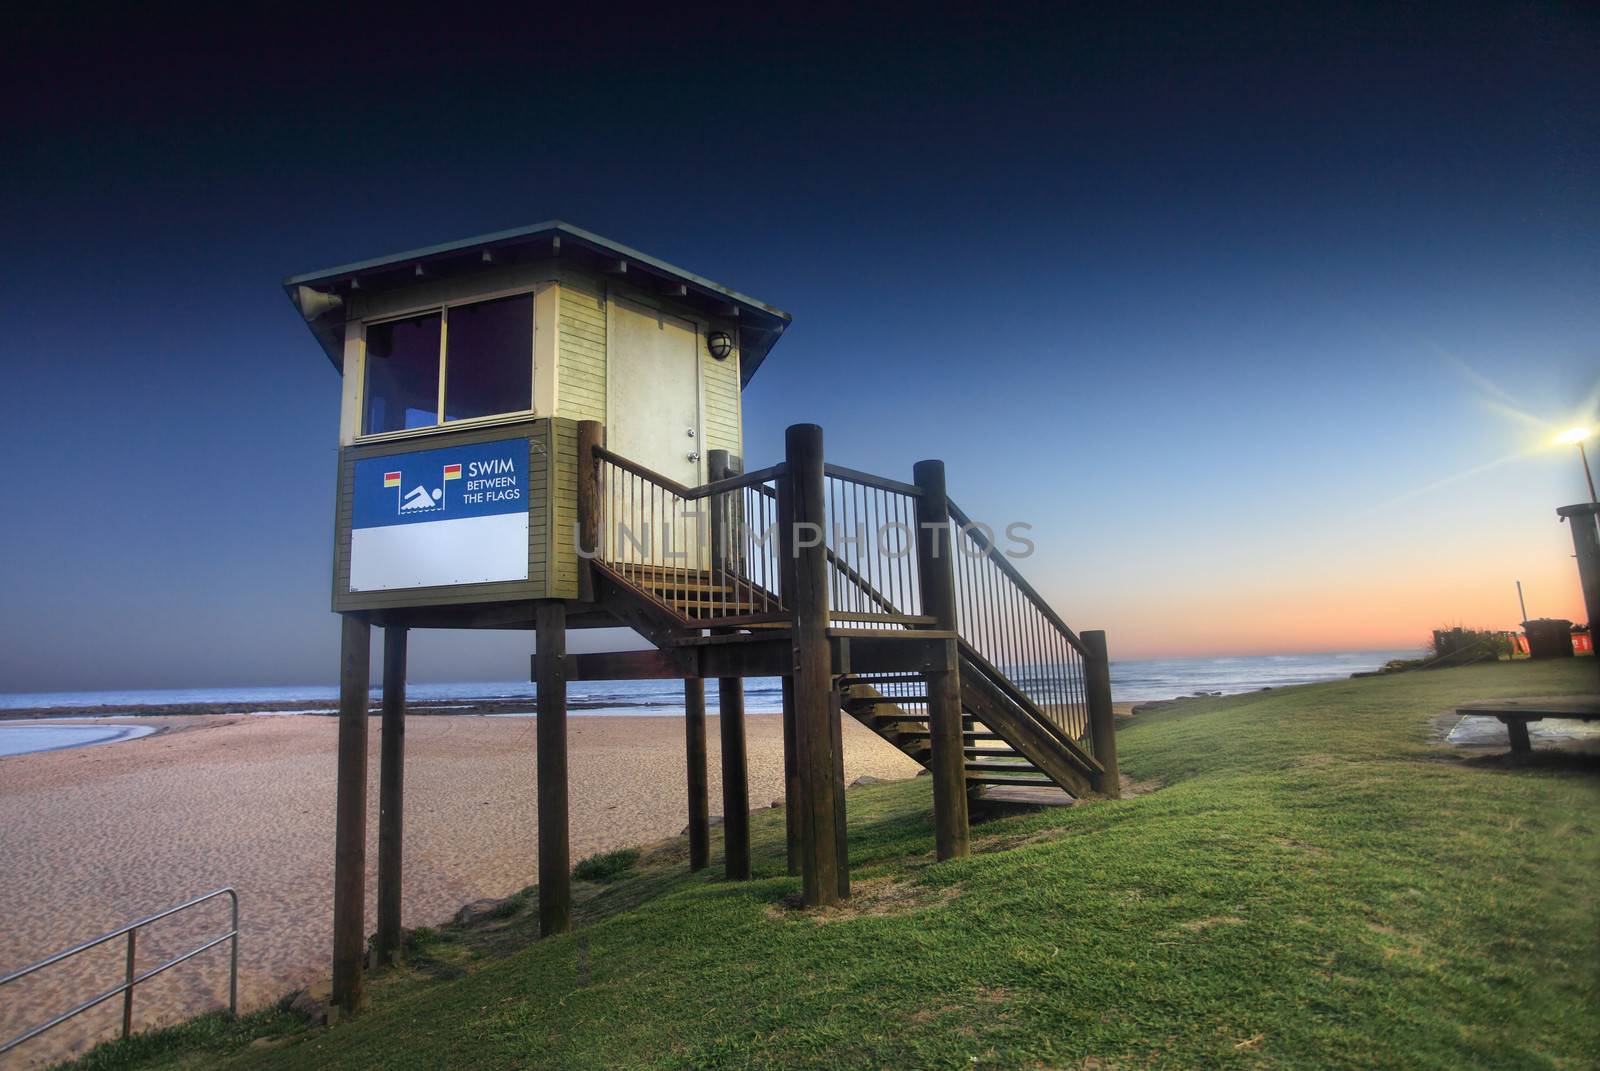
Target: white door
x,y
655,391
654,411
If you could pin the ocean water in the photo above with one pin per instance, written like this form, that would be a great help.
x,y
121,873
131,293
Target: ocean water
x,y
1131,681
23,738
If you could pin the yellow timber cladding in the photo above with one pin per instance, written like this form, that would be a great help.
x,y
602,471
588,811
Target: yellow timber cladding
x,y
581,369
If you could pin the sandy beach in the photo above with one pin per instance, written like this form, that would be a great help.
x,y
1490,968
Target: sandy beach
x,y
94,837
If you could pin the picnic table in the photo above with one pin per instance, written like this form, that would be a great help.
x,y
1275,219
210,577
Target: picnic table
x,y
1515,714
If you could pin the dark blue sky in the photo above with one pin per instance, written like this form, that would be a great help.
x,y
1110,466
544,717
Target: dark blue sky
x,y
1213,302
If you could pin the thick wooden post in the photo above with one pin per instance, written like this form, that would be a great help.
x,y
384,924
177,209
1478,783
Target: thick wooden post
x,y
936,576
735,779
350,815
1102,724
555,867
803,542
694,732
591,433
841,817
791,779
791,752
730,691
391,792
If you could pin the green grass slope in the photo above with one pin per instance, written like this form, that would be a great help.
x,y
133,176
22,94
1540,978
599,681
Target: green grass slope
x,y
1318,883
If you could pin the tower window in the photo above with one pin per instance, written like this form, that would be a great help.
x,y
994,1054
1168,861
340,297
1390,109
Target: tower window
x,y
481,353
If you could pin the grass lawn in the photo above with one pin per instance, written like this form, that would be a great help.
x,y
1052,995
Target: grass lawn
x,y
1319,883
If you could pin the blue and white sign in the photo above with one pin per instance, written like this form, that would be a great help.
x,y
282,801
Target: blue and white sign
x,y
458,515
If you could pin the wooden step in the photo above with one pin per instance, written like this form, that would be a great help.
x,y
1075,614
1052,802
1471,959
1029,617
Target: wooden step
x,y
996,752
967,724
968,735
874,680
1005,767
979,778
723,607
696,586
866,703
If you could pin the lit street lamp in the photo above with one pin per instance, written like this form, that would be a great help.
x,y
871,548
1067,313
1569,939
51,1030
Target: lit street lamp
x,y
1575,436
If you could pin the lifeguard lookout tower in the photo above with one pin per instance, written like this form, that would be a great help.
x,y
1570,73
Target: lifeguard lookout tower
x,y
541,429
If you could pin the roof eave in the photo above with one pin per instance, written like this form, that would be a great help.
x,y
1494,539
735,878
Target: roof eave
x,y
764,335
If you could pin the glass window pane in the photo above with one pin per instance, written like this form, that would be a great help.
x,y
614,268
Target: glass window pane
x,y
402,374
489,363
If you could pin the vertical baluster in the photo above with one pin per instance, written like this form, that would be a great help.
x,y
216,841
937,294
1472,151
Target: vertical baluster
x,y
884,540
127,994
869,552
840,554
1053,680
1041,668
963,585
896,504
1059,675
991,599
913,567
869,572
987,607
1014,608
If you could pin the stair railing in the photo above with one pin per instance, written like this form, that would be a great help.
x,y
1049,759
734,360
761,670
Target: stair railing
x,y
872,550
1007,624
709,554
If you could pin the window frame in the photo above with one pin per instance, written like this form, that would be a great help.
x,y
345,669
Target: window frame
x,y
443,309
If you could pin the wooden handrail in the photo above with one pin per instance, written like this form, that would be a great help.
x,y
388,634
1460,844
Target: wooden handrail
x,y
883,483
758,478
993,554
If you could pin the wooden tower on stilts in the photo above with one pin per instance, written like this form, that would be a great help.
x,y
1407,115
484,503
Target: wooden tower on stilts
x,y
541,430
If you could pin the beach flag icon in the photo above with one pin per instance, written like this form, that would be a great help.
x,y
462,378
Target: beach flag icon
x,y
452,472
391,479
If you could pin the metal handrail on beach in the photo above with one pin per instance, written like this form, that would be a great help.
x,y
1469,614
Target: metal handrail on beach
x,y
132,979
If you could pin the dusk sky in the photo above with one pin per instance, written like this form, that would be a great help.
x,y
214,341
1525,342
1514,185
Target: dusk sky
x,y
1265,326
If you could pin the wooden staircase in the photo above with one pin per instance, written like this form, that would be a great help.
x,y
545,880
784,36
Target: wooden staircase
x,y
1028,729
692,595
1007,741
996,754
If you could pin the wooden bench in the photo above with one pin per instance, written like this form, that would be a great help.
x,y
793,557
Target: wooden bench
x,y
1515,714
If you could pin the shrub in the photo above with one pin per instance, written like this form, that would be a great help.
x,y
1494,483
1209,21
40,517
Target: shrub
x,y
1465,642
510,905
608,866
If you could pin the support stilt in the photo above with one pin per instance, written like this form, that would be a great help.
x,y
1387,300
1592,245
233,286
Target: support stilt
x,y
694,730
793,819
791,780
813,687
350,815
735,779
936,574
841,840
555,866
391,793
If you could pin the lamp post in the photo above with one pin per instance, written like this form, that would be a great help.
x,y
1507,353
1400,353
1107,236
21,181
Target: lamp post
x,y
1576,436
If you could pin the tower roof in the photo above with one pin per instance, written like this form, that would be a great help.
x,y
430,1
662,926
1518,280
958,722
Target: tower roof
x,y
760,324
